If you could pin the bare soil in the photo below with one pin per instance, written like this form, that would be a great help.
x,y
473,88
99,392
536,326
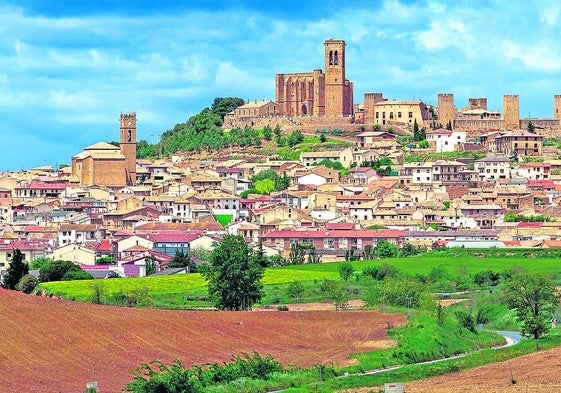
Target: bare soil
x,y
52,345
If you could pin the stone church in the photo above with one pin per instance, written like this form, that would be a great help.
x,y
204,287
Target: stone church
x,y
103,164
316,93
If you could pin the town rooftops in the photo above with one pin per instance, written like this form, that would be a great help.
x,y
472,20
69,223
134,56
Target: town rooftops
x,y
357,233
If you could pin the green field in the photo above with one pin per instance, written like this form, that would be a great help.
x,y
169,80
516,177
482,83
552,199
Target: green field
x,y
172,291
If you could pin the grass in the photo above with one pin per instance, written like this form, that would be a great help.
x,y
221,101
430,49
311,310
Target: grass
x,y
223,219
422,339
310,143
170,291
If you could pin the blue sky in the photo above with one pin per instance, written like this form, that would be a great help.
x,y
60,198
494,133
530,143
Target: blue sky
x,y
68,68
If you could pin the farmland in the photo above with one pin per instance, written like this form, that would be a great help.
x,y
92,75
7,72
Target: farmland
x,y
57,345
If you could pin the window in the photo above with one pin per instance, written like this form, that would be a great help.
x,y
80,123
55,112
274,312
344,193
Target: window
x,y
410,115
399,115
377,115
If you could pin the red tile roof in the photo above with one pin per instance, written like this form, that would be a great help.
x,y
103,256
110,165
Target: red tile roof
x,y
359,233
177,237
524,224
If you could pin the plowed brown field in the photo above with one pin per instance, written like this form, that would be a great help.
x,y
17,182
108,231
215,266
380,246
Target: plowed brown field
x,y
537,372
51,345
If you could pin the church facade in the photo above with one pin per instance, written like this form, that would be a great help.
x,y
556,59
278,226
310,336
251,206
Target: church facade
x,y
103,164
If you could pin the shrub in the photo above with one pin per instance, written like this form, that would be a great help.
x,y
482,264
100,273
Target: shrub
x,y
27,284
466,320
400,293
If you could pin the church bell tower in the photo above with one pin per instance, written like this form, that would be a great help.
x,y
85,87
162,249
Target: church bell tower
x,y
334,77
128,145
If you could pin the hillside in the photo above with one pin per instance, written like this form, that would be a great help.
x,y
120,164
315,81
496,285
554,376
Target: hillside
x,y
53,345
537,372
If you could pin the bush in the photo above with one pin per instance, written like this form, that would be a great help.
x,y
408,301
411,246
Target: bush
x,y
157,377
486,278
400,293
27,284
380,273
466,320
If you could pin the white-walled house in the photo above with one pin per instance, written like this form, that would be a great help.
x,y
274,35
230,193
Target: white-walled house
x,y
443,140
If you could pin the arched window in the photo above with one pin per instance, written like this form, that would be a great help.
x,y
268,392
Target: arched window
x,y
336,58
330,57
129,136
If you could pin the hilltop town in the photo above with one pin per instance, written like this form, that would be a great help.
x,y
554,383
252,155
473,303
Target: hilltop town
x,y
351,176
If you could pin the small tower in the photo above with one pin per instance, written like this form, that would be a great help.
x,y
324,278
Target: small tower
x,y
511,112
557,108
446,109
334,78
128,145
370,99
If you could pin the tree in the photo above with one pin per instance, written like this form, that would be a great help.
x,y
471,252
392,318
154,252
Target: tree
x,y
322,138
313,255
150,264
183,259
265,186
368,252
17,269
532,297
61,270
233,276
297,254
295,290
386,249
295,138
346,270
531,128
267,133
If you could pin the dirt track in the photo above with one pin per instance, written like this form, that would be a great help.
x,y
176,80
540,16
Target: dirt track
x,y
51,345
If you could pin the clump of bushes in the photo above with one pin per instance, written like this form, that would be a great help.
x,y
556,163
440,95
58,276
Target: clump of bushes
x,y
158,377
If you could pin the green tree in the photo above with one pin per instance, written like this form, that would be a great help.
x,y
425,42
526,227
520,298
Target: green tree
x,y
322,138
297,255
282,182
346,270
233,276
336,291
265,186
295,138
58,270
532,297
39,263
313,255
424,144
531,128
267,133
386,249
27,284
295,290
278,134
368,252
98,293
150,264
183,259
15,272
